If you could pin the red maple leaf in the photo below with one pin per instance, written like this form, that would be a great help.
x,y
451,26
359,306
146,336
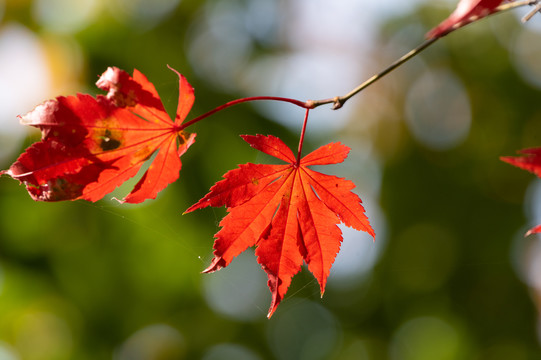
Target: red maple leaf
x,y
92,145
530,161
465,12
289,212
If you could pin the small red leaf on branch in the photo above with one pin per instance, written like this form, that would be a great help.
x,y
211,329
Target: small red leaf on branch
x,y
465,12
289,212
534,230
92,145
530,161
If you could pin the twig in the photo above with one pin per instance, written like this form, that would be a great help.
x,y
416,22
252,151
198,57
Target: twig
x,y
239,101
529,15
515,4
338,101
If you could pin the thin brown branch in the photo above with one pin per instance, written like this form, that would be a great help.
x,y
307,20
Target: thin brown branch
x,y
515,4
529,15
339,101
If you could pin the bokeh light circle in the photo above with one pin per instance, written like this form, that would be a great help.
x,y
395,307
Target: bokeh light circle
x,y
238,291
304,331
65,16
526,53
427,338
24,82
230,351
438,110
156,341
7,352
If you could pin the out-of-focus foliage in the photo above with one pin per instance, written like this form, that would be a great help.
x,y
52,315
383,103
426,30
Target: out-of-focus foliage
x,y
450,275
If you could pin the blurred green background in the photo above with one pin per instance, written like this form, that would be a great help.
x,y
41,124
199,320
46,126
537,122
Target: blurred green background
x,y
450,275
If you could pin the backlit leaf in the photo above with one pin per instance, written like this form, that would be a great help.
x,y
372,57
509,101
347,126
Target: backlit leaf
x,y
92,145
289,212
465,12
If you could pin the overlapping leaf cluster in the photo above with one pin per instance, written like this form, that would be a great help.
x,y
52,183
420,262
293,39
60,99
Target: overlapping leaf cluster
x,y
289,212
92,145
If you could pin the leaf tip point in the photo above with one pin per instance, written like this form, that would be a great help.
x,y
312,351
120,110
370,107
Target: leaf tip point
x,y
271,312
210,269
534,230
190,209
216,264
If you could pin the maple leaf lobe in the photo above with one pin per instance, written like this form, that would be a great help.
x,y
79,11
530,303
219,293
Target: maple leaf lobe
x,y
529,160
534,230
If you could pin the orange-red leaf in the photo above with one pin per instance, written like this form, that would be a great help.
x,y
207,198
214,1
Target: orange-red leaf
x,y
92,145
465,11
530,161
534,230
289,212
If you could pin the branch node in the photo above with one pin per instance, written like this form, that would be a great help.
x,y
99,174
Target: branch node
x,y
338,103
310,104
